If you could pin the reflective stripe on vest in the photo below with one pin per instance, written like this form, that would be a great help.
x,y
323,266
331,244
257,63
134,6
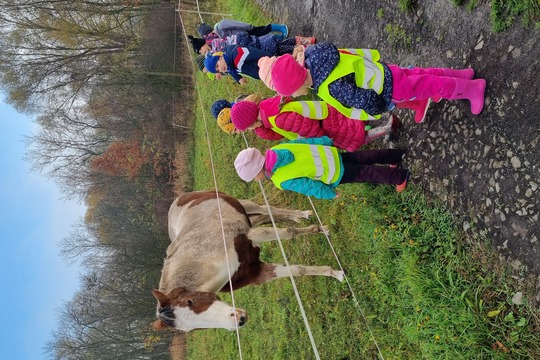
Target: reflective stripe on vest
x,y
317,162
370,54
315,110
369,74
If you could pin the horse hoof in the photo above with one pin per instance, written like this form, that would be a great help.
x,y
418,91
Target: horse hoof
x,y
340,275
324,230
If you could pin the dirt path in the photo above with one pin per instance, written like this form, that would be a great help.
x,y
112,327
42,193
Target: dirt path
x,y
485,168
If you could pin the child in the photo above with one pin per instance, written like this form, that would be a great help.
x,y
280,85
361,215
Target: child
x,y
236,60
221,111
359,86
228,27
199,61
270,119
271,43
314,167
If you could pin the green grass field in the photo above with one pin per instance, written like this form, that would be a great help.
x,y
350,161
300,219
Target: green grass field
x,y
424,290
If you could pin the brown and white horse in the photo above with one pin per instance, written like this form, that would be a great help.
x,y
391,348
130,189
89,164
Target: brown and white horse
x,y
195,268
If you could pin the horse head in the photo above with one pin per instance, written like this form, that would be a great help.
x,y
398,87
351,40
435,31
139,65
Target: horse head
x,y
190,310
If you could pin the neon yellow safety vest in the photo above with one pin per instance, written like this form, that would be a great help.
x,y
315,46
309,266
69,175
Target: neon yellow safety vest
x,y
317,162
369,74
315,110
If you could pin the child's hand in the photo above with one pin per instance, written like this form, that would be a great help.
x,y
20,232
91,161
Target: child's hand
x,y
337,195
298,54
218,76
242,81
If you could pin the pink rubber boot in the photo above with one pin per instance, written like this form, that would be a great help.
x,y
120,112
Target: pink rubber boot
x,y
467,74
420,108
472,90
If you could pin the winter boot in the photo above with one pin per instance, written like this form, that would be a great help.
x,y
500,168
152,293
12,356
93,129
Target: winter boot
x,y
281,28
472,90
420,108
391,127
301,40
401,187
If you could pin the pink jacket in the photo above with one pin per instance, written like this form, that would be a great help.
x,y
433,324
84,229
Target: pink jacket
x,y
346,133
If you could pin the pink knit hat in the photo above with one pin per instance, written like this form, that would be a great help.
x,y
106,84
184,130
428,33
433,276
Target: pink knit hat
x,y
249,163
287,75
244,114
265,65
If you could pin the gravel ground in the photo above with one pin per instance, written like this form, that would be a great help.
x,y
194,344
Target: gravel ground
x,y
485,168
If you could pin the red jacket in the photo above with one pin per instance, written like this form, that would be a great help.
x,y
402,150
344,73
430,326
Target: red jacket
x,y
346,133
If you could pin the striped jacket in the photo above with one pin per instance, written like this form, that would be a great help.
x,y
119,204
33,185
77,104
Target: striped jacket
x,y
243,60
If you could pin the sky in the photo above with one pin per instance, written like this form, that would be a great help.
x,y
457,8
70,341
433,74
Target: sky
x,y
34,218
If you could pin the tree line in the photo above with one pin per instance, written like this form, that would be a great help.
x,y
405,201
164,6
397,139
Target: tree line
x,y
98,76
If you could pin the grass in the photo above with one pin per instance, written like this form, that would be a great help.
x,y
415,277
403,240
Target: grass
x,y
505,12
425,290
407,5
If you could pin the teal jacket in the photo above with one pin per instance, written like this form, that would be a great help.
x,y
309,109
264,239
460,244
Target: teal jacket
x,y
305,185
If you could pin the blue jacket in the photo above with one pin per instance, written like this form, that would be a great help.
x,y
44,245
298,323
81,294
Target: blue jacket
x,y
305,185
243,60
322,58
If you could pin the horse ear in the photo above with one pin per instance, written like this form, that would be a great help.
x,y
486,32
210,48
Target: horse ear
x,y
160,297
158,325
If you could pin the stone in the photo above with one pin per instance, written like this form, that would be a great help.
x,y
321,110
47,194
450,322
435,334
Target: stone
x,y
518,298
516,163
480,45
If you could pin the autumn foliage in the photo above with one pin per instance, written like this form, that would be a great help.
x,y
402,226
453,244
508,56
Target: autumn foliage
x,y
122,158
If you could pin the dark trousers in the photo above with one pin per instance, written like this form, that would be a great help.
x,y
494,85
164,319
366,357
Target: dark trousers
x,y
260,30
358,167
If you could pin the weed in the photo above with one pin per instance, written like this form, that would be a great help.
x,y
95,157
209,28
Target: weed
x,y
407,5
397,36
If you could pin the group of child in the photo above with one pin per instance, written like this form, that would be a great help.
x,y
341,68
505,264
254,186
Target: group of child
x,y
354,86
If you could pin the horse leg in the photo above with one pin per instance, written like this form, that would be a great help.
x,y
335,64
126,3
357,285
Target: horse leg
x,y
275,271
259,214
260,235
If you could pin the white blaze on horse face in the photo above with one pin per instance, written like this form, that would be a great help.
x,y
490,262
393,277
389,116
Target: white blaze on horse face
x,y
218,316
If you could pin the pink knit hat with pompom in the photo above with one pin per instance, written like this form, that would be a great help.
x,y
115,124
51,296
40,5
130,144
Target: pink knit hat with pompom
x,y
287,75
244,114
249,163
265,66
